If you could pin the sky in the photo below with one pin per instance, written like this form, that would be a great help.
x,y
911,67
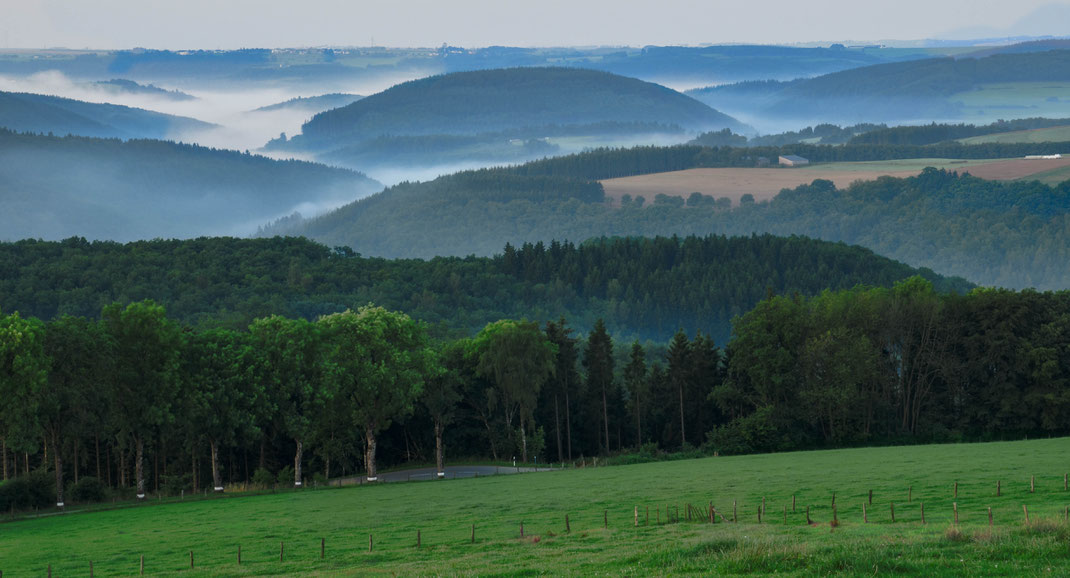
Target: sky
x,y
229,24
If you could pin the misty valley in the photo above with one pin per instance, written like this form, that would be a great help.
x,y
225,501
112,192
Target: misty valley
x,y
255,285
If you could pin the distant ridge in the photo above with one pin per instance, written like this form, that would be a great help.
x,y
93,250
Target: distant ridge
x,y
38,113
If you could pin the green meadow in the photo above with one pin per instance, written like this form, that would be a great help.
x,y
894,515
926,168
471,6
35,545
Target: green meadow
x,y
444,513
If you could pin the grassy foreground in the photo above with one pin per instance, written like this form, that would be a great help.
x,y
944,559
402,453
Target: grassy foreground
x,y
444,512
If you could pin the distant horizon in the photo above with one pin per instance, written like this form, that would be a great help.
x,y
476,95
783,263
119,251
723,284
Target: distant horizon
x,y
853,42
211,25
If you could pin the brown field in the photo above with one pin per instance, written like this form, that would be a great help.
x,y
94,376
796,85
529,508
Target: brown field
x,y
766,183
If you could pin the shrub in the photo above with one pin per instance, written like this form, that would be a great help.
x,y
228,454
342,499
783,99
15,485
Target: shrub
x,y
263,479
173,485
88,489
36,490
286,477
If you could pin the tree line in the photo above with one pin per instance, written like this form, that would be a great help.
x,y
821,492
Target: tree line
x,y
135,400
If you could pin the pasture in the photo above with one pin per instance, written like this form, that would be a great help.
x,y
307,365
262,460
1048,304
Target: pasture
x,y
374,529
766,183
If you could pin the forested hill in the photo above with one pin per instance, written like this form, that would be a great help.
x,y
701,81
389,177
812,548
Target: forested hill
x,y
908,91
645,288
1010,234
504,99
55,187
38,113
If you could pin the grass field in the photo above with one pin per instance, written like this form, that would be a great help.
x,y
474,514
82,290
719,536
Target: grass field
x,y
992,102
1039,135
444,512
766,183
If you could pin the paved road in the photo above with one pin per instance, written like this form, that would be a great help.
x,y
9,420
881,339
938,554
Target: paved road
x,y
452,472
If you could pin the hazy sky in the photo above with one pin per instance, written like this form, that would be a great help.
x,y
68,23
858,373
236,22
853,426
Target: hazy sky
x,y
289,23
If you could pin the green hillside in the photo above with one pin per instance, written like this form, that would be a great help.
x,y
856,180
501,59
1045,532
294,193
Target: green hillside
x,y
56,187
621,520
38,113
506,99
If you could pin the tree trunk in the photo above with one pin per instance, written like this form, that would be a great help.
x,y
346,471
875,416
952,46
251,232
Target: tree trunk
x,y
557,430
139,466
76,464
59,473
683,437
568,424
605,416
193,466
638,424
96,444
122,468
369,454
156,470
3,455
217,479
438,449
110,485
297,463
523,442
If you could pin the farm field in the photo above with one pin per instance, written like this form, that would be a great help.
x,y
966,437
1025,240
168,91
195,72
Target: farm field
x,y
766,183
445,512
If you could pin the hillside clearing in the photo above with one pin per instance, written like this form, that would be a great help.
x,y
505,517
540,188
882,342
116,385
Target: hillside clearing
x,y
445,512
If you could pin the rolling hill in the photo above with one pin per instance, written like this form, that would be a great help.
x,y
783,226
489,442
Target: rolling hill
x,y
1008,234
313,104
928,89
56,187
501,108
38,113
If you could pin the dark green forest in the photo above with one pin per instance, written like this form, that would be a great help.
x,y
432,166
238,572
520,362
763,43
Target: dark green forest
x,y
866,365
1011,234
38,113
643,288
143,189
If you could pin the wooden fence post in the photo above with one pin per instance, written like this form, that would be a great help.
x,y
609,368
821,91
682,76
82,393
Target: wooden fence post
x,y
473,533
997,488
418,541
956,492
955,507
191,559
568,529
759,514
892,506
910,493
323,545
833,499
282,549
49,571
142,570
1026,510
793,503
871,497
734,511
923,513
865,519
990,516
239,554
835,518
1066,481
605,519
808,520
90,569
